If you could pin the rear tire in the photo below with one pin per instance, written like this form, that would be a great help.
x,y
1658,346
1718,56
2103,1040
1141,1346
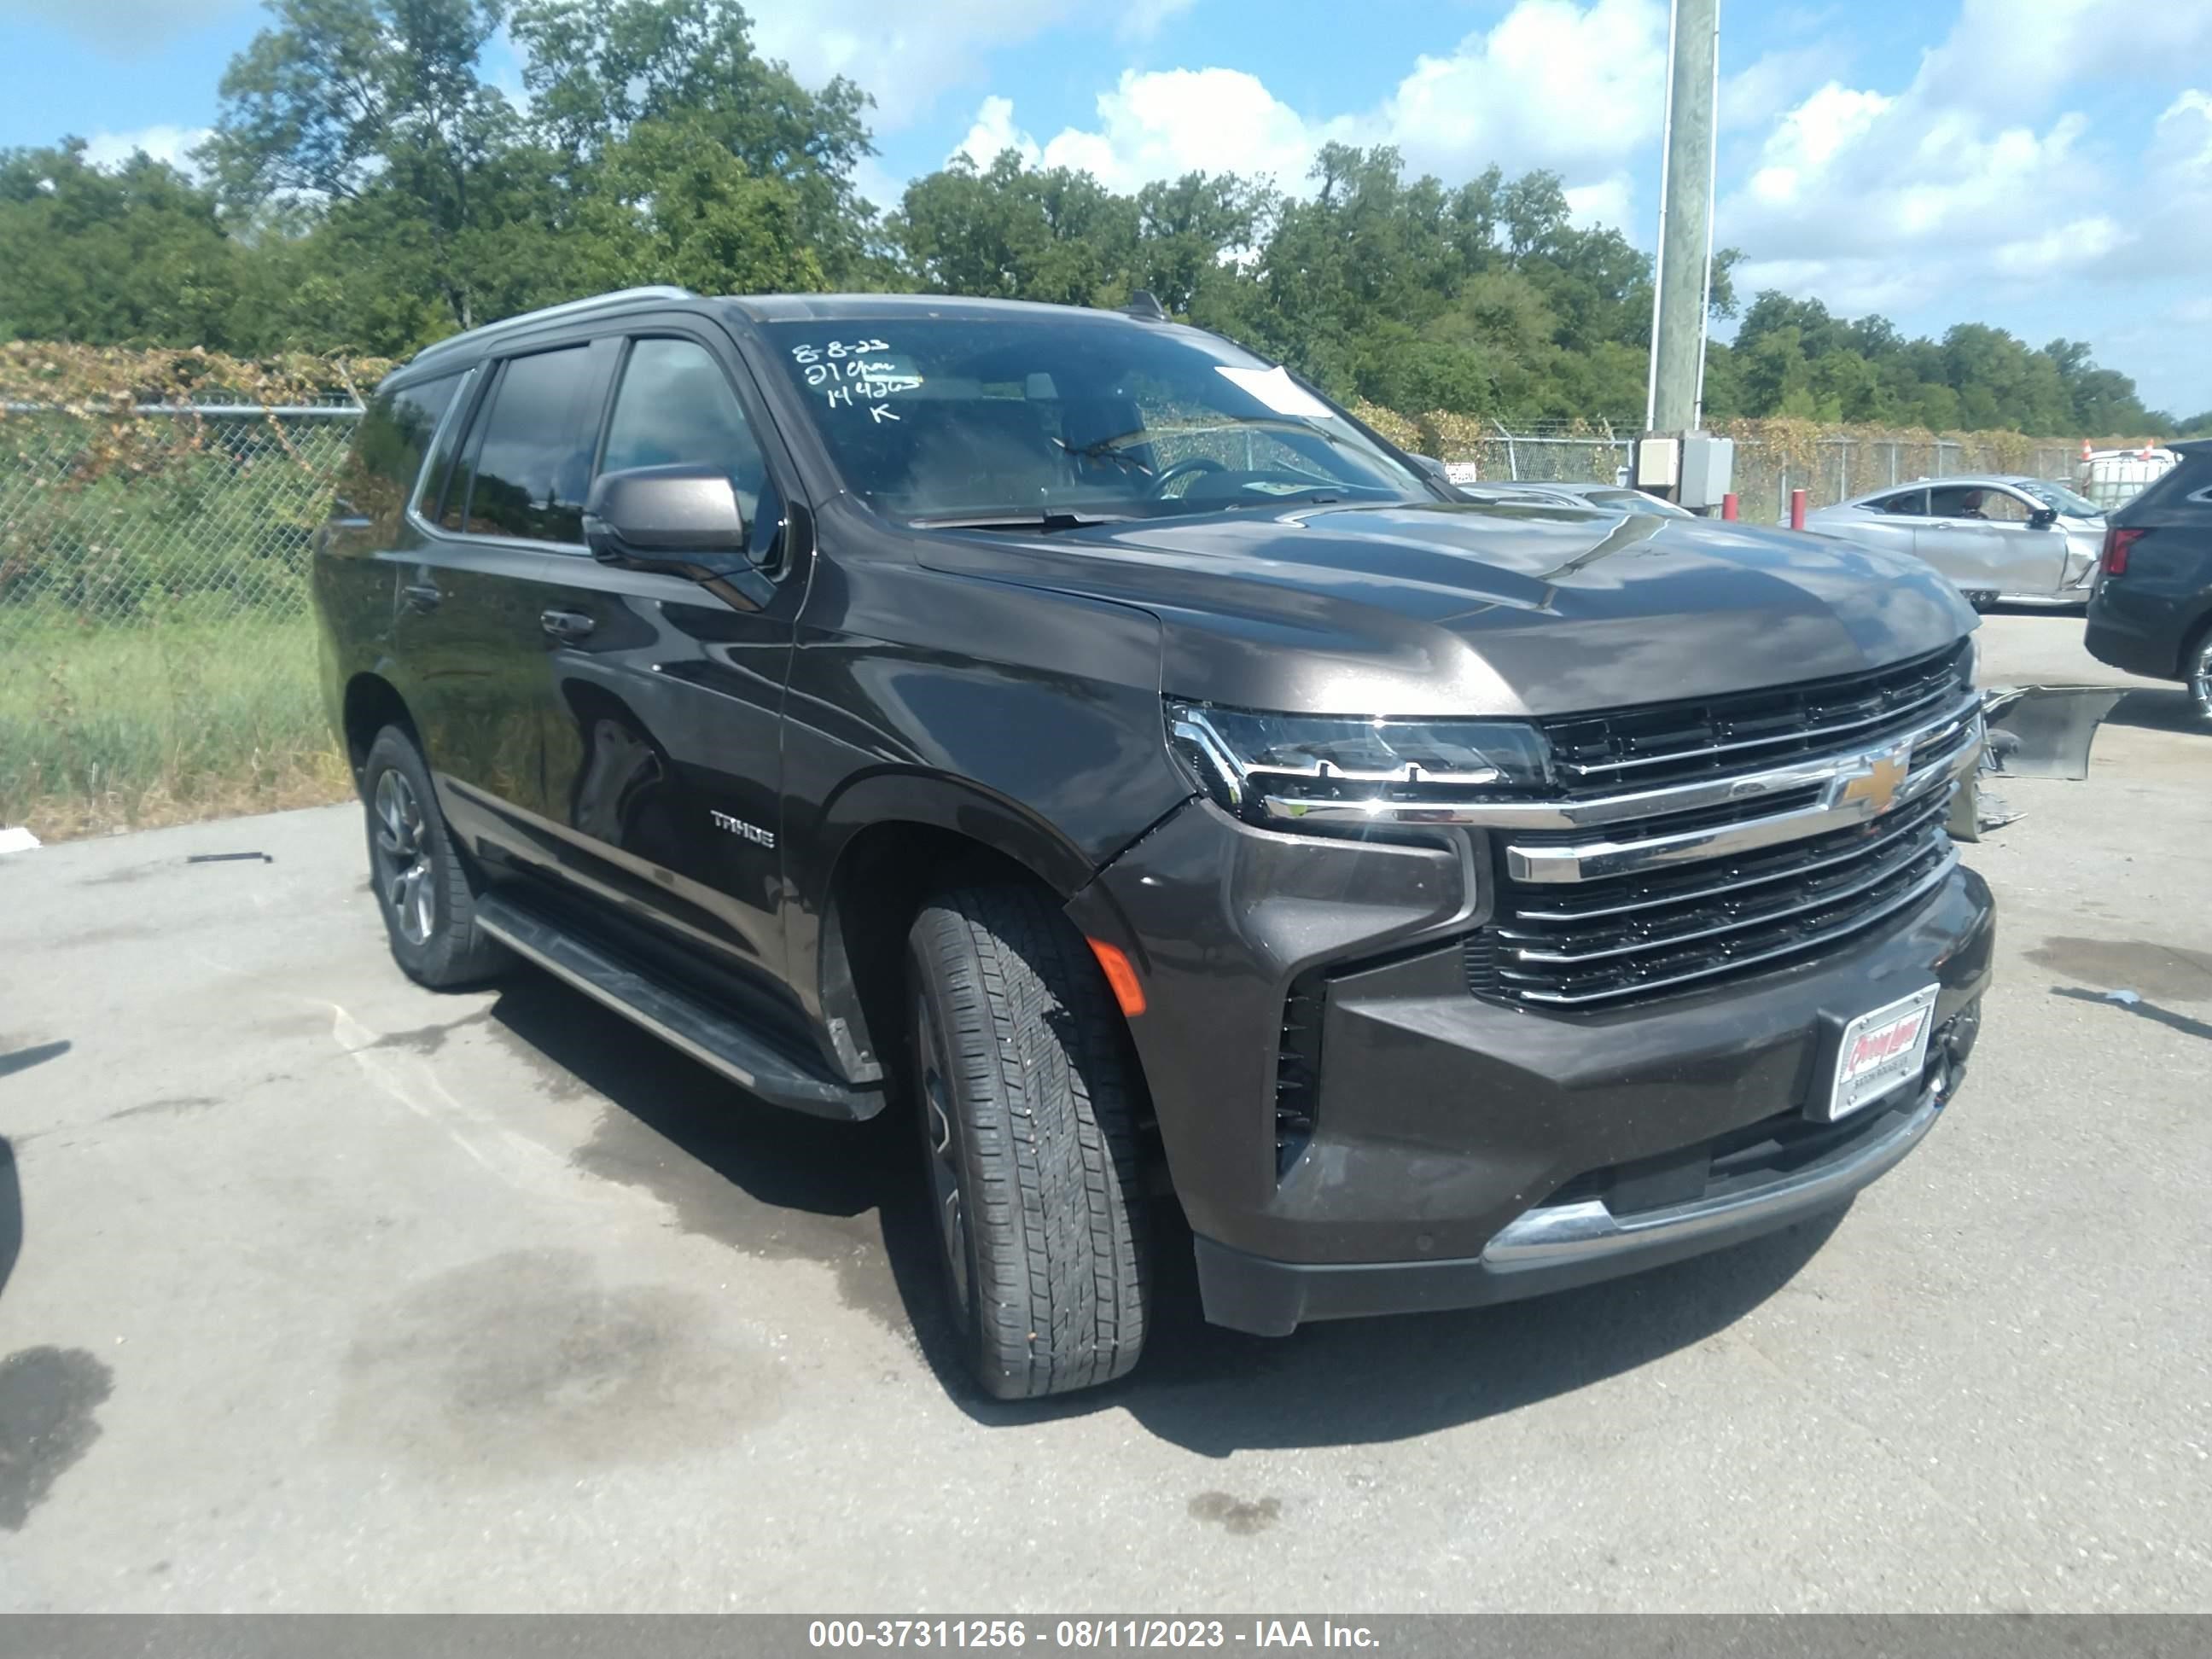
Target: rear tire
x,y
424,889
2196,672
1027,1097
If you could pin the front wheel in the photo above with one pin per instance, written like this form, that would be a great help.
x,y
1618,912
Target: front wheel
x,y
1028,1099
422,888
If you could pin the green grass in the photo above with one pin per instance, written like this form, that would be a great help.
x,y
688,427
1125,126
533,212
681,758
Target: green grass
x,y
131,724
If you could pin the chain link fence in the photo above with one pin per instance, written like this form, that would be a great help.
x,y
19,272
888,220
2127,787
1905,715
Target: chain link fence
x,y
1842,469
157,657
157,654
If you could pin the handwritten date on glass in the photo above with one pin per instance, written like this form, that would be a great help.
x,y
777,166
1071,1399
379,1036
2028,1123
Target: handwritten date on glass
x,y
847,379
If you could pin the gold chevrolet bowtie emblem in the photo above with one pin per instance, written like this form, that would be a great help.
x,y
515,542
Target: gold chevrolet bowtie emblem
x,y
1874,790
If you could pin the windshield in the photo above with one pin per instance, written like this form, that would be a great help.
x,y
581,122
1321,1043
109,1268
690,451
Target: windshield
x,y
2059,496
944,419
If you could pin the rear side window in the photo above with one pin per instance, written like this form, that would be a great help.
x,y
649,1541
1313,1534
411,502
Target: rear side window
x,y
2183,493
1906,504
531,459
389,445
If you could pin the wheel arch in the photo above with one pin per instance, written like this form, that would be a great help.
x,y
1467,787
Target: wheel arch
x,y
888,842
371,702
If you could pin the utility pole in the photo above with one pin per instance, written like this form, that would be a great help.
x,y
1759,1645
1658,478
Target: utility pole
x,y
1674,409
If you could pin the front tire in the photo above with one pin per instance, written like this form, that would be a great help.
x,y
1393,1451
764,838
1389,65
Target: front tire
x,y
1028,1096
424,890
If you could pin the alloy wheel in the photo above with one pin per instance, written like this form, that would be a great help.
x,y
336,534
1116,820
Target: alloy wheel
x,y
2200,678
403,856
943,1148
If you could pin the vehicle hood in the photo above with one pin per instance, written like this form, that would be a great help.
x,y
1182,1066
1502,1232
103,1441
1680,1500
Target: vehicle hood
x,y
1455,609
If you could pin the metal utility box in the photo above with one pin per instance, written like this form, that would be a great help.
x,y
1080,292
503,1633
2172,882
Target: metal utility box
x,y
1658,463
1708,471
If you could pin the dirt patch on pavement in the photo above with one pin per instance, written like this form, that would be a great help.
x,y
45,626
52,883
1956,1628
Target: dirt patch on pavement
x,y
49,1402
525,1365
2166,972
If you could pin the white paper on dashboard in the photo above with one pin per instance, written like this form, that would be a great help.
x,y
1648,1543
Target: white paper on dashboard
x,y
1275,388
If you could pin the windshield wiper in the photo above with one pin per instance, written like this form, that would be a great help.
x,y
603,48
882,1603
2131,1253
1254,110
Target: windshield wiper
x,y
1312,495
1047,522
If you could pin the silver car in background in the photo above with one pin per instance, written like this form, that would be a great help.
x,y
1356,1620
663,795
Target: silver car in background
x,y
2010,538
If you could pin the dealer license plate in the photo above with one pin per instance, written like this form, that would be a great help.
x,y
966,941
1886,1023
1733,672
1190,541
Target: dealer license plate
x,y
1882,1052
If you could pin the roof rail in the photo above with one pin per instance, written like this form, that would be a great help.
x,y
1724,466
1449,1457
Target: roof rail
x,y
568,308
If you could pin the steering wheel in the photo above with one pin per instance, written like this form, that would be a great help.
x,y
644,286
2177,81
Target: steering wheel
x,y
1189,464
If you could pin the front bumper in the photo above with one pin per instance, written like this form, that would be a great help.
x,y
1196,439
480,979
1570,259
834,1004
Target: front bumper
x,y
1557,1246
1441,1123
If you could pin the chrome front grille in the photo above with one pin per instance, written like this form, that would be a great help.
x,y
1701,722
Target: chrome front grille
x,y
1635,941
1669,743
1608,899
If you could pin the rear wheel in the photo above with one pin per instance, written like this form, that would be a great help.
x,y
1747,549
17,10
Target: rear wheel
x,y
422,888
2197,673
1027,1098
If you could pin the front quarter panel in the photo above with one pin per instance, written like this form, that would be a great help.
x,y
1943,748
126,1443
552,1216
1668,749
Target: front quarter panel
x,y
1026,721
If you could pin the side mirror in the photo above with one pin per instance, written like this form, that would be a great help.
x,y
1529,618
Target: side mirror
x,y
683,520
2042,518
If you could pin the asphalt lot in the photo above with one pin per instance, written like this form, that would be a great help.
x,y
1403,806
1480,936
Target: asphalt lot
x,y
332,1293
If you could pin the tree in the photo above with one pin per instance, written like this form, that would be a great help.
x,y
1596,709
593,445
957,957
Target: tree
x,y
672,204
599,70
137,256
368,190
376,102
1018,233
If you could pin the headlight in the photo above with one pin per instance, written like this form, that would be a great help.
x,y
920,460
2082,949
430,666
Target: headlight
x,y
1344,771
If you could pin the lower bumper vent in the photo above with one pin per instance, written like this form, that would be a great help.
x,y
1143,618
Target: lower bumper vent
x,y
1297,1070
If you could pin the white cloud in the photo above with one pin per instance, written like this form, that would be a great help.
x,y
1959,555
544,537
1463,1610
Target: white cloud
x,y
1555,85
2184,139
1162,125
1495,97
173,144
1752,97
128,27
875,184
1965,185
2004,57
1809,138
1605,203
994,132
1887,201
903,53
1140,20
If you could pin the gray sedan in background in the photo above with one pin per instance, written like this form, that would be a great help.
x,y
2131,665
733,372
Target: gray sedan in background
x,y
2021,540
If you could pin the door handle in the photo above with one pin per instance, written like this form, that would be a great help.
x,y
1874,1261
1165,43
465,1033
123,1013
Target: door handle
x,y
422,596
567,625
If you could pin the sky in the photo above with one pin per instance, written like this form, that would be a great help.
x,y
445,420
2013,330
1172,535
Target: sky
x,y
2042,165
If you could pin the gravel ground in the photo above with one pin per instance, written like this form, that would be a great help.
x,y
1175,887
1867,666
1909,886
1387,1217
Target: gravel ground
x,y
331,1293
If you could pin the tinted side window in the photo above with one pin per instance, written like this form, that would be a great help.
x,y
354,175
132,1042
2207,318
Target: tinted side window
x,y
676,408
1962,502
388,447
432,489
1912,504
2182,493
534,462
